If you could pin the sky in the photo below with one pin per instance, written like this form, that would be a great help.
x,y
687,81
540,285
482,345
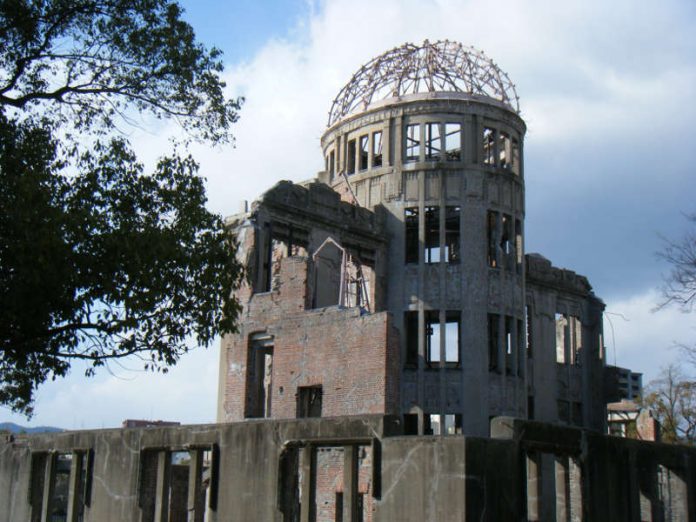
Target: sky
x,y
608,92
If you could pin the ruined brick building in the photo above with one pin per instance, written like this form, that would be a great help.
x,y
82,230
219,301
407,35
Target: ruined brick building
x,y
396,282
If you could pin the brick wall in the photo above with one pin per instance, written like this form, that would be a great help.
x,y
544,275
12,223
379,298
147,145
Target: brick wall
x,y
354,357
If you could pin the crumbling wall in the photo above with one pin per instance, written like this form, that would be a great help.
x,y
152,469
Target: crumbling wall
x,y
362,468
565,347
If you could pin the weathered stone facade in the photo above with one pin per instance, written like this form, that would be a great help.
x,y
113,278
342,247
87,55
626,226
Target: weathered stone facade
x,y
423,195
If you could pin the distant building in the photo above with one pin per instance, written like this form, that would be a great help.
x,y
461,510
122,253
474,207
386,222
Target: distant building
x,y
627,419
137,423
622,384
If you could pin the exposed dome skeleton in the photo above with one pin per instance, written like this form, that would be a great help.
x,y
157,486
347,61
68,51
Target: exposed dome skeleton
x,y
442,66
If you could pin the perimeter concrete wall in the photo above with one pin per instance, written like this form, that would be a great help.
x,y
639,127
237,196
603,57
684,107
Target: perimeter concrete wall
x,y
357,468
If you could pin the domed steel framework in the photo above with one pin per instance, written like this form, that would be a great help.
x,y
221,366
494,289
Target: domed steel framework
x,y
441,66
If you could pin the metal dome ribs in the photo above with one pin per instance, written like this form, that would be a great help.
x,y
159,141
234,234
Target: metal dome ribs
x,y
441,66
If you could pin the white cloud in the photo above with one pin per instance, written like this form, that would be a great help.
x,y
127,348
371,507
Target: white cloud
x,y
643,339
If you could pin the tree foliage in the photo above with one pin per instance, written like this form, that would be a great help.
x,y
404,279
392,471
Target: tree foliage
x,y
672,399
99,260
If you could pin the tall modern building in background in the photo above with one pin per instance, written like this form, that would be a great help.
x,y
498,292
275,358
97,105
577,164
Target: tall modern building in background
x,y
396,282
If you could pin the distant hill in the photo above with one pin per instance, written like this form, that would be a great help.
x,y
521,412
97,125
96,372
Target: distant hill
x,y
16,428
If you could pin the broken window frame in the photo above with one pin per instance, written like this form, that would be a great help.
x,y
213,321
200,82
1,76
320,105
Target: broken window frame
x,y
453,141
492,238
519,250
453,347
276,234
489,141
76,480
506,241
155,481
561,323
351,152
431,244
504,151
413,142
529,341
453,424
433,141
411,241
452,234
432,334
364,152
411,334
509,341
493,342
332,164
309,401
377,154
516,166
258,404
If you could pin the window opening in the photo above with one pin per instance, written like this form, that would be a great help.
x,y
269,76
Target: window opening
x,y
432,337
432,141
431,424
179,463
281,240
413,142
493,337
528,318
410,424
504,150
506,241
376,149
575,340
577,413
509,348
411,326
364,149
452,335
452,224
519,344
515,156
563,411
350,159
411,226
453,424
260,376
309,400
519,254
332,164
60,487
488,146
432,234
453,141
492,230
561,324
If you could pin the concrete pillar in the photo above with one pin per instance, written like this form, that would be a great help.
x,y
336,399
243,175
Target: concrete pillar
x,y
194,506
162,488
49,484
350,483
562,489
533,487
75,486
307,484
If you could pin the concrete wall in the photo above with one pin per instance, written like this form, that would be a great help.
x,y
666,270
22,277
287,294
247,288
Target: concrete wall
x,y
305,470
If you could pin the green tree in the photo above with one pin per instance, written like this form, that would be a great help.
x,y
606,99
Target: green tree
x,y
99,260
672,399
